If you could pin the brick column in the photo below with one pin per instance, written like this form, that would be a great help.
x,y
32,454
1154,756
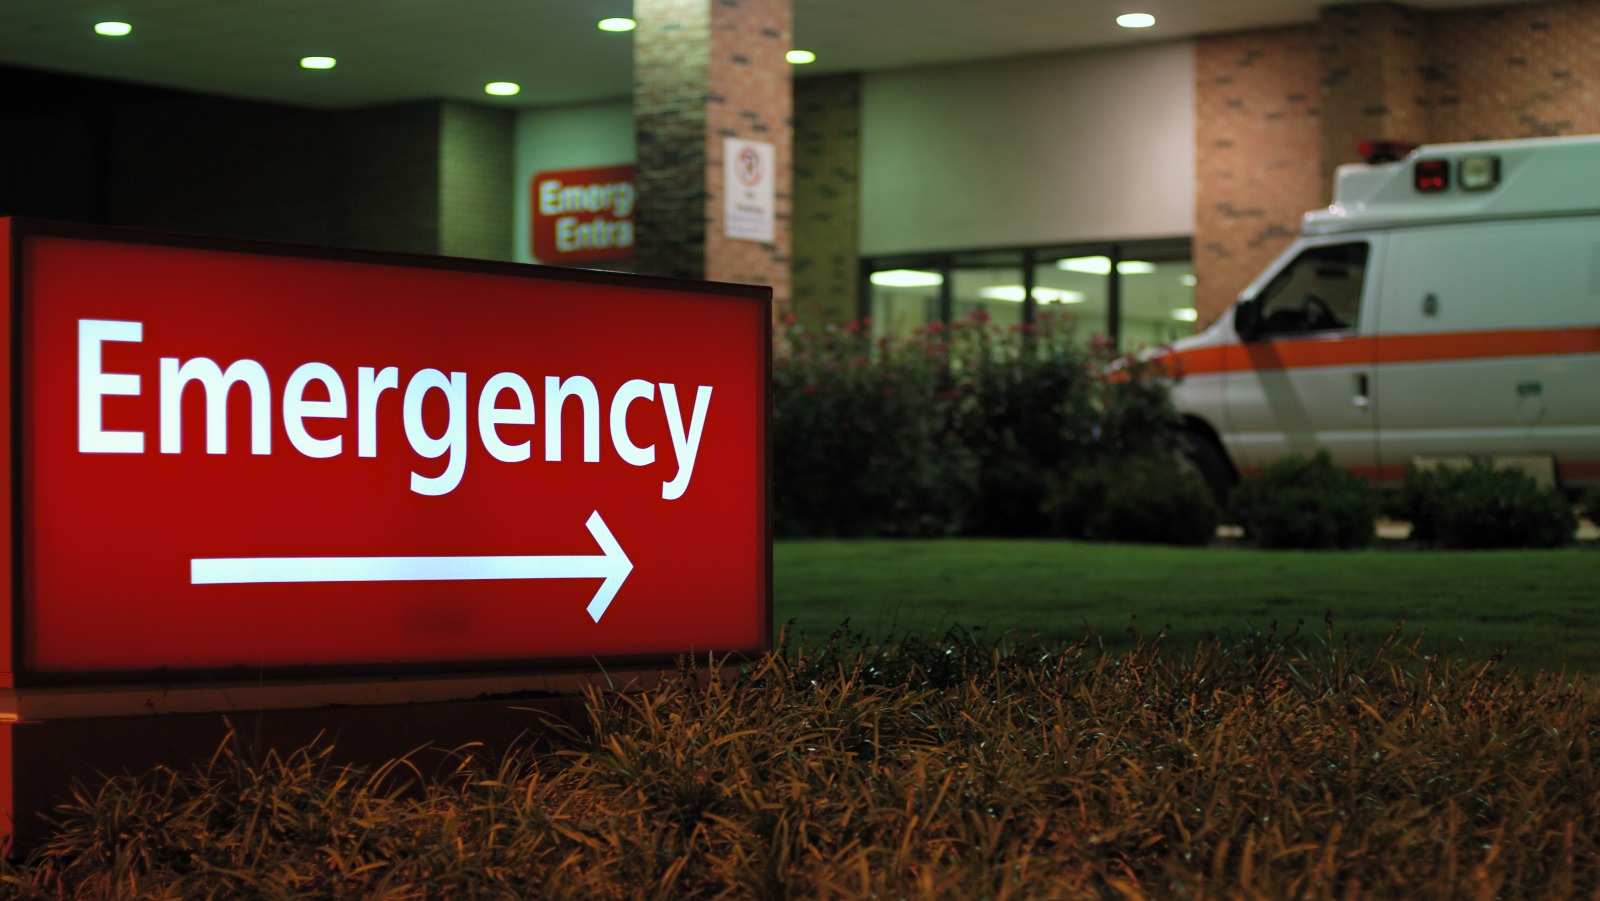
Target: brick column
x,y
1373,61
1257,148
827,198
705,70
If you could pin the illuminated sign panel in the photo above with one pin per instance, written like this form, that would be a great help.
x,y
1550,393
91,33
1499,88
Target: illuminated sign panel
x,y
239,462
582,215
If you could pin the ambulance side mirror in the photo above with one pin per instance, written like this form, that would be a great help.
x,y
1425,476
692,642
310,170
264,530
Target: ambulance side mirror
x,y
1247,320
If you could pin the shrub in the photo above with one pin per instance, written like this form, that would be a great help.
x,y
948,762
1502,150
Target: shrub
x,y
1309,503
1482,506
1417,500
955,430
1591,505
861,443
1141,499
1153,500
1479,506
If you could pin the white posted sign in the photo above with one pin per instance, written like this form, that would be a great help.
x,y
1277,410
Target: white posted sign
x,y
747,189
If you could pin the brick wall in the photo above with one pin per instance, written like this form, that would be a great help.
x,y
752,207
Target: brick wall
x,y
475,181
705,70
1371,81
1257,144
389,177
1514,71
423,177
827,198
750,95
199,164
671,50
1279,109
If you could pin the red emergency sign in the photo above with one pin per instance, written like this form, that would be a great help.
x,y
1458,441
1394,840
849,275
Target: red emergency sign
x,y
582,215
232,460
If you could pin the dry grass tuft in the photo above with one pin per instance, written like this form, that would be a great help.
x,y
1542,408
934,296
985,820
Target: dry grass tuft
x,y
1263,768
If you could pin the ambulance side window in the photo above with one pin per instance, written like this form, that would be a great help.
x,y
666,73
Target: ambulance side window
x,y
1320,291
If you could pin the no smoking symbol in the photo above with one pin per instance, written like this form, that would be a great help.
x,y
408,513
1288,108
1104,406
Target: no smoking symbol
x,y
749,166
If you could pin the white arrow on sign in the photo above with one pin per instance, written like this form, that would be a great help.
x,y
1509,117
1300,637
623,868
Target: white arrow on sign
x,y
611,564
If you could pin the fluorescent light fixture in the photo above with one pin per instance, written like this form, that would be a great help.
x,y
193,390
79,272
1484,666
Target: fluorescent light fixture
x,y
1136,20
1102,266
1014,294
502,88
1190,280
1186,314
317,62
112,29
906,278
618,24
800,57
1087,265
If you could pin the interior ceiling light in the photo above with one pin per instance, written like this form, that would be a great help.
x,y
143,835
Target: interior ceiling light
x,y
112,29
618,24
906,278
1136,20
1190,280
502,88
1014,293
1102,266
1186,314
317,62
800,57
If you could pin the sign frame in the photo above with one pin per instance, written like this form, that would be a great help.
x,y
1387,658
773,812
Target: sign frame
x,y
15,671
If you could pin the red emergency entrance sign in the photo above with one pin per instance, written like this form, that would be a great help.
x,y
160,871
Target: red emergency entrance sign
x,y
234,461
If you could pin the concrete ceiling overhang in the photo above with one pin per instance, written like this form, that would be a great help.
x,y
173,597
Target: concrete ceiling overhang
x,y
398,50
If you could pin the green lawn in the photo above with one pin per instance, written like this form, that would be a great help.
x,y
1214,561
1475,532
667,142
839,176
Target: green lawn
x,y
1543,606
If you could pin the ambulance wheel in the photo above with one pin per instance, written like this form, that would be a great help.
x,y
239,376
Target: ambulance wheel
x,y
1202,456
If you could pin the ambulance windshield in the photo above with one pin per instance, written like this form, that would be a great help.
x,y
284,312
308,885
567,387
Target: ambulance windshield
x,y
1320,291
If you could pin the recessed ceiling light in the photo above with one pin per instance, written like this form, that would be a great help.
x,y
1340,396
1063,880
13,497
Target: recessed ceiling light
x,y
317,62
800,57
112,29
1186,314
1136,20
618,24
502,88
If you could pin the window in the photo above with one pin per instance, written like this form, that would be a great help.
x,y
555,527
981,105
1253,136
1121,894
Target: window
x,y
902,297
989,282
1076,283
1320,291
1138,294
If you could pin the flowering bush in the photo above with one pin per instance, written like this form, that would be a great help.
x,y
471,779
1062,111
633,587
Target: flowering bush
x,y
953,431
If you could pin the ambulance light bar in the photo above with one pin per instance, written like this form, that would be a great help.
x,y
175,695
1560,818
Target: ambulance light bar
x,y
1473,173
1431,176
1479,173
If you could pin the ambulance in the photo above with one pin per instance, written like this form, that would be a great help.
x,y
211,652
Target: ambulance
x,y
1445,307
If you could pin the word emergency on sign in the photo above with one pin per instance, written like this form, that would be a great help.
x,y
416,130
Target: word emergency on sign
x,y
233,460
583,215
215,382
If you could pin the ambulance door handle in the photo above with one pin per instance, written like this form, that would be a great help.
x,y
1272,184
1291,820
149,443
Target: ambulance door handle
x,y
1362,398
